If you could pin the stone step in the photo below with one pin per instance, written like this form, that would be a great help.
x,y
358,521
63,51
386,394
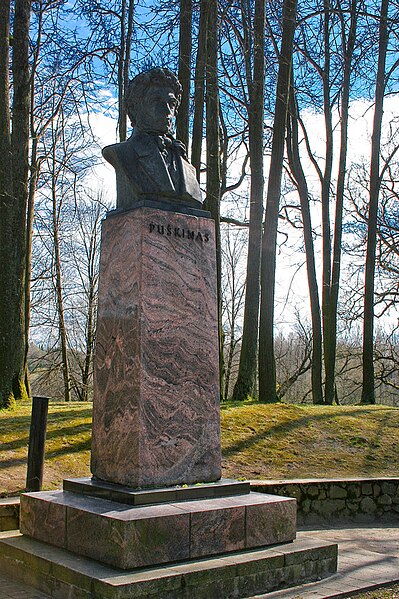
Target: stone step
x,y
147,535
61,574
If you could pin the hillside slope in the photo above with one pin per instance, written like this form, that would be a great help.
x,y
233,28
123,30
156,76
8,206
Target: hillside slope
x,y
259,441
296,441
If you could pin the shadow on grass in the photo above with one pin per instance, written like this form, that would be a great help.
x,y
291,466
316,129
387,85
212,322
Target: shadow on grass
x,y
11,423
289,426
77,447
65,431
369,456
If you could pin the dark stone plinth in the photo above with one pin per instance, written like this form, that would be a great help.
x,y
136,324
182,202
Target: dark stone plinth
x,y
243,574
169,206
156,385
132,537
104,490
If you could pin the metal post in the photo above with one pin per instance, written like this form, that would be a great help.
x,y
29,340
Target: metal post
x,y
37,440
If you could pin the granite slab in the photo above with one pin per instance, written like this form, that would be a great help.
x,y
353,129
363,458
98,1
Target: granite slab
x,y
138,536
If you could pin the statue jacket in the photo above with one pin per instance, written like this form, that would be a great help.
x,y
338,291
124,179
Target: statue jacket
x,y
142,172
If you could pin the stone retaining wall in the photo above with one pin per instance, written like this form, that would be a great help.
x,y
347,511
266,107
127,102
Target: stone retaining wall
x,y
323,500
318,500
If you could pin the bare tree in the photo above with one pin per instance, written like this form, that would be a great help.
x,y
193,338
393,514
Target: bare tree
x,y
304,196
66,157
213,174
199,91
111,29
293,358
184,74
85,251
233,290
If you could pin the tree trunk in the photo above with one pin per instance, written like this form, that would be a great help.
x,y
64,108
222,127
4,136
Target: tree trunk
x,y
267,366
6,365
92,276
300,179
339,203
213,178
368,390
229,361
185,44
34,171
329,334
245,383
58,284
14,172
127,14
199,91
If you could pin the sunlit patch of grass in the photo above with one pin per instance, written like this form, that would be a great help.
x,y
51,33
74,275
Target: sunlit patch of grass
x,y
67,445
295,441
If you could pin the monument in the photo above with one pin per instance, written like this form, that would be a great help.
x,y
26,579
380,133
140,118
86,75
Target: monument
x,y
156,505
156,410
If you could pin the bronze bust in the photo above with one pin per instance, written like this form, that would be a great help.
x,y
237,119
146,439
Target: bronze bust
x,y
152,164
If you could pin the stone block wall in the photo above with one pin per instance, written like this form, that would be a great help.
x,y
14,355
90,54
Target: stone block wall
x,y
351,500
9,513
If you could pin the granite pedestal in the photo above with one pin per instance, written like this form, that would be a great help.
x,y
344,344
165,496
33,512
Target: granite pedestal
x,y
156,393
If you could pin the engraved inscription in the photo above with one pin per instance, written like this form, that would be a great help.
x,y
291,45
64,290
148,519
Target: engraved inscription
x,y
179,232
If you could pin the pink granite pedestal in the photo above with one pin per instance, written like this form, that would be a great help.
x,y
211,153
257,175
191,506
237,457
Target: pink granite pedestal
x,y
156,394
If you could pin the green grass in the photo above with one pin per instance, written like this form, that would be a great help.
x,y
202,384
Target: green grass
x,y
67,445
258,441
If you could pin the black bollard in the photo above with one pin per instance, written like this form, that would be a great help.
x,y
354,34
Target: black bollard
x,y
37,440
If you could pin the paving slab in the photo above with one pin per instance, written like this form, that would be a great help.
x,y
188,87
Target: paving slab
x,y
368,558
9,589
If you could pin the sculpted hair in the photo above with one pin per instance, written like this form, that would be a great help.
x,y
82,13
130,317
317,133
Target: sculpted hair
x,y
139,85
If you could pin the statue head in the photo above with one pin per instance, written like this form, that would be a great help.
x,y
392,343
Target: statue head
x,y
152,99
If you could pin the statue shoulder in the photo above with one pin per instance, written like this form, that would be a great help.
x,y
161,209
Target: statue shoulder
x,y
116,153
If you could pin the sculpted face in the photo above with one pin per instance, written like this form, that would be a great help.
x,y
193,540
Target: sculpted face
x,y
157,110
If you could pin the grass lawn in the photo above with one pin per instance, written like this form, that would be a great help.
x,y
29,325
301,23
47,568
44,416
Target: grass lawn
x,y
258,441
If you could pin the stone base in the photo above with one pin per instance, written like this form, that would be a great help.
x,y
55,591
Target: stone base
x,y
61,574
134,537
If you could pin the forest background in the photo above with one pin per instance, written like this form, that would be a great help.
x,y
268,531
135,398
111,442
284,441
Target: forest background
x,y
290,114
